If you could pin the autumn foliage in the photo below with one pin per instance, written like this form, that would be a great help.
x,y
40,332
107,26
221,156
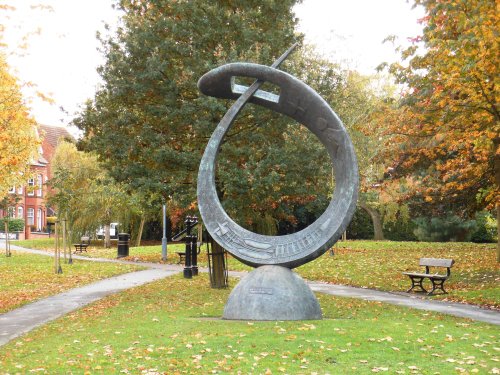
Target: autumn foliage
x,y
442,138
18,140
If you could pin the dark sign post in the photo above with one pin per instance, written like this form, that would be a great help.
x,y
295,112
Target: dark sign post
x,y
194,253
164,238
190,263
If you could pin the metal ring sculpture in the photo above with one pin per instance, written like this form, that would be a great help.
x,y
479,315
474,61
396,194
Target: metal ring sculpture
x,y
303,104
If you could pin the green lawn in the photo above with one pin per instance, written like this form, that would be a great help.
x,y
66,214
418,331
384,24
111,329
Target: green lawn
x,y
475,275
27,277
371,264
97,250
140,254
172,326
38,243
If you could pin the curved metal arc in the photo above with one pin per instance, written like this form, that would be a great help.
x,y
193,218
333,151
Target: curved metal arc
x,y
298,248
237,106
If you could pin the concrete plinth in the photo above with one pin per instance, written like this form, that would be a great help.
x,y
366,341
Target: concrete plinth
x,y
272,293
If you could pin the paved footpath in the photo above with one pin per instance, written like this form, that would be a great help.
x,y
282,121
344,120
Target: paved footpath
x,y
19,321
28,317
461,310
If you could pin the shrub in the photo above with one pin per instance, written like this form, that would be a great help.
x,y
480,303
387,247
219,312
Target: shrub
x,y
486,228
400,230
15,225
51,220
444,229
361,226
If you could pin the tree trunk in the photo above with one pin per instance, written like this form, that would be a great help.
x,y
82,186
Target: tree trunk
x,y
218,267
107,237
64,240
378,232
139,234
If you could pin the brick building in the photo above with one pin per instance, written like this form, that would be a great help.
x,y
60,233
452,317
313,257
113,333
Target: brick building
x,y
30,203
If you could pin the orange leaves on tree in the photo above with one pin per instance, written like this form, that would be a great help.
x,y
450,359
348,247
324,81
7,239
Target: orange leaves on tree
x,y
445,130
18,140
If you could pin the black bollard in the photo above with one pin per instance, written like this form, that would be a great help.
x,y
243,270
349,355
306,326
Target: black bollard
x,y
188,269
194,254
190,263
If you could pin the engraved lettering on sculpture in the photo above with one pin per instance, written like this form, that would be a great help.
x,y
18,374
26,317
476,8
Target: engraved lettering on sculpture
x,y
222,229
301,245
322,124
325,225
258,245
298,109
260,290
247,247
333,135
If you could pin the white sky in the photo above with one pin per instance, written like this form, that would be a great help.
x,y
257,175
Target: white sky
x,y
62,60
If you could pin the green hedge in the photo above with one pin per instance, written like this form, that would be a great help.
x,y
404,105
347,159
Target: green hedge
x,y
361,227
15,225
444,229
400,230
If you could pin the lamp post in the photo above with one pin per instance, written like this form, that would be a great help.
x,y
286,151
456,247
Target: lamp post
x,y
164,239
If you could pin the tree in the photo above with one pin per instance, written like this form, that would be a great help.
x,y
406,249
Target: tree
x,y
148,122
442,139
18,141
84,194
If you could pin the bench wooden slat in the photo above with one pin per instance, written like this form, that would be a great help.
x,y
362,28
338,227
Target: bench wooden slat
x,y
434,262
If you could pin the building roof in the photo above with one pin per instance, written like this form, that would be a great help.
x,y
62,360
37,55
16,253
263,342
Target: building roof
x,y
53,134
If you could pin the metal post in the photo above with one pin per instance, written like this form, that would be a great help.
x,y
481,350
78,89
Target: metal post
x,y
70,261
194,254
57,253
164,239
56,250
64,239
58,257
188,270
188,265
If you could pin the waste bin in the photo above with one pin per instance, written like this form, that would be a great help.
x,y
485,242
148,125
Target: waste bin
x,y
123,244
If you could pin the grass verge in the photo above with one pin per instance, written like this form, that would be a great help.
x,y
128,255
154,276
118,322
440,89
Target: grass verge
x,y
475,277
28,277
97,250
172,326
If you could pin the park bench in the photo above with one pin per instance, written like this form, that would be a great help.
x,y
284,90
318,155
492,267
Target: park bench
x,y
182,254
436,279
82,246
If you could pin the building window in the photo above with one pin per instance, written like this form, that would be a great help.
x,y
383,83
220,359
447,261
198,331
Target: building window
x,y
12,212
39,184
12,190
31,187
39,220
20,212
31,216
20,190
